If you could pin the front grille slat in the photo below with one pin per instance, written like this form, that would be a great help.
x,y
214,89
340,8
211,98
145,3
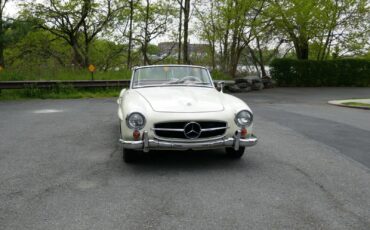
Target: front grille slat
x,y
209,129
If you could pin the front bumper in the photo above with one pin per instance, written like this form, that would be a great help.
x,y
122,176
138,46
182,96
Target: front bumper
x,y
147,144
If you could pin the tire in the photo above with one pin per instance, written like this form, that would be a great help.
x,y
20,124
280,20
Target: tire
x,y
130,156
235,154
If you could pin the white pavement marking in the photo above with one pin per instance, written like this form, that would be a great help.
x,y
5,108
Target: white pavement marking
x,y
41,111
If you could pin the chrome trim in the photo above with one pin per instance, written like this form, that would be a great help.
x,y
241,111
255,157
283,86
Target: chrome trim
x,y
146,141
182,130
195,128
188,140
169,65
237,140
146,144
166,129
213,129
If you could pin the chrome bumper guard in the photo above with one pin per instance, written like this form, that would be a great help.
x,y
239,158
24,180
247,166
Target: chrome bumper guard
x,y
146,144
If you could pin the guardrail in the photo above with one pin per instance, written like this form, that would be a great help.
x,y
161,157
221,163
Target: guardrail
x,y
75,84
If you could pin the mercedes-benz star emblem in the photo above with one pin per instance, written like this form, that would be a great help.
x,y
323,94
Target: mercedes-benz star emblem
x,y
192,130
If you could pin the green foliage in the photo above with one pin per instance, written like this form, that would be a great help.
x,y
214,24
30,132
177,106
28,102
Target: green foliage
x,y
37,49
339,72
107,55
219,75
16,29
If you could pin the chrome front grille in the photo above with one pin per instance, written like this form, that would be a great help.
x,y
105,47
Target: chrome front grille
x,y
184,129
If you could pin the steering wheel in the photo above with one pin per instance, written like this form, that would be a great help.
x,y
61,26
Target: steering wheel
x,y
189,79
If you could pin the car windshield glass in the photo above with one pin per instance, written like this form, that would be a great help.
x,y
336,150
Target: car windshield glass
x,y
171,76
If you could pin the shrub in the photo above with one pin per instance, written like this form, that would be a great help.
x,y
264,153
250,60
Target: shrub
x,y
220,75
340,72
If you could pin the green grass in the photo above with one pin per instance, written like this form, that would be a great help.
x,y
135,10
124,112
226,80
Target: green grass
x,y
61,74
60,92
357,104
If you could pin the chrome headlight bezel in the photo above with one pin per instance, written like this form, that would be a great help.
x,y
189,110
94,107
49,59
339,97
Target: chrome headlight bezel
x,y
135,115
241,114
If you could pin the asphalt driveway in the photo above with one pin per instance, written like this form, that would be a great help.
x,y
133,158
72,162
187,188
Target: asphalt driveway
x,y
61,168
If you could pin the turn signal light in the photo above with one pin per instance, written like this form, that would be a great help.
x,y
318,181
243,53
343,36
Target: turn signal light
x,y
136,135
243,132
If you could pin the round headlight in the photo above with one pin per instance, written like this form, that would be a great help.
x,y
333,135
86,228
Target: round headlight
x,y
244,118
135,121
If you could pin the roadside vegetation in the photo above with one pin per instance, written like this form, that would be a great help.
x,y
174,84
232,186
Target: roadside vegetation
x,y
313,73
357,104
58,40
61,92
61,74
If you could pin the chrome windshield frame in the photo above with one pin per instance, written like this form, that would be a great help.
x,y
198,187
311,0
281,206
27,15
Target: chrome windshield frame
x,y
134,69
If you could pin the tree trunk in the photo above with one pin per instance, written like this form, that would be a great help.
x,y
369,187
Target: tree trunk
x,y
233,56
86,56
301,48
145,45
86,46
261,61
130,35
2,61
213,51
78,60
186,30
225,61
180,33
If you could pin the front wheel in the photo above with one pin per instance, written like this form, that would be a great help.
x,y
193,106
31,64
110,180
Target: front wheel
x,y
235,154
130,156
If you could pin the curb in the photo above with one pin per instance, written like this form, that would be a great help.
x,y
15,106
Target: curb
x,y
339,103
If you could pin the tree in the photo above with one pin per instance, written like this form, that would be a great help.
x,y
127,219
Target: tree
x,y
180,33
265,39
152,21
130,34
319,23
107,55
298,20
77,22
184,10
241,18
206,14
2,6
227,27
185,47
36,49
342,25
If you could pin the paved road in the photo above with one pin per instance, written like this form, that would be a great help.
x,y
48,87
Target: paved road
x,y
61,168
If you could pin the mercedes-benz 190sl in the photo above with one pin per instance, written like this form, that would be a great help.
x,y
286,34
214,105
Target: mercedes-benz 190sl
x,y
178,107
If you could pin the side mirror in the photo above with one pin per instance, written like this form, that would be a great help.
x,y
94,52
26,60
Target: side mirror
x,y
220,86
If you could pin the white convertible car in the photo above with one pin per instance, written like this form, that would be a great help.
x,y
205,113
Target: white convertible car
x,y
177,107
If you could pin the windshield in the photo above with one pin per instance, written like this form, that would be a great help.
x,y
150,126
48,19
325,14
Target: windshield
x,y
171,76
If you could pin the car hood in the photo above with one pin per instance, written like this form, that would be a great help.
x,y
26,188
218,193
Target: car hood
x,y
182,99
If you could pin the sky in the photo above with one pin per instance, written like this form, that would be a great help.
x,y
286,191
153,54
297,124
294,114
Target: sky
x,y
11,9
